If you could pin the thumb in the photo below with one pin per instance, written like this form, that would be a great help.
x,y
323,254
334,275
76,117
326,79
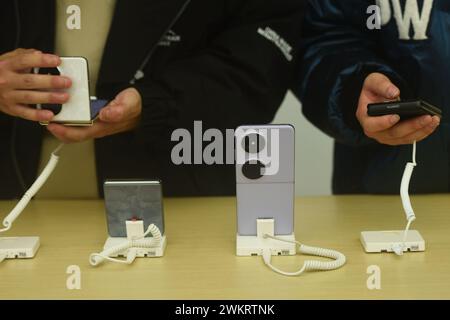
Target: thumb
x,y
126,105
380,85
113,112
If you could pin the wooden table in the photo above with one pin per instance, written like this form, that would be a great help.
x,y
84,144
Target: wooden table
x,y
200,261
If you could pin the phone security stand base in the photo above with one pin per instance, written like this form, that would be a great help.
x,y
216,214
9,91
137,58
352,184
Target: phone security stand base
x,y
254,246
385,241
19,247
140,252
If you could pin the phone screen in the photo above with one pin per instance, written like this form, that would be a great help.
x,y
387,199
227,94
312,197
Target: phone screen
x,y
96,106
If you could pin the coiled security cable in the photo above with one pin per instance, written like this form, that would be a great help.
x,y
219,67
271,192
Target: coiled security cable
x,y
406,201
131,245
31,192
308,265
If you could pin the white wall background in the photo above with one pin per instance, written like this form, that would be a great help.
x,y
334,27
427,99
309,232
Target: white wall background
x,y
313,150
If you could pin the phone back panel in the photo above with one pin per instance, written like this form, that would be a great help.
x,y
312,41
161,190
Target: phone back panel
x,y
77,109
270,195
133,199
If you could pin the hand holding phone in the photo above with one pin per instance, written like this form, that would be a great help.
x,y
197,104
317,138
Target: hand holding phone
x,y
79,110
383,123
405,109
25,88
121,114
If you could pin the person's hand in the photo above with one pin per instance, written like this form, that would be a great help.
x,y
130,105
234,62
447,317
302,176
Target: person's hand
x,y
120,115
389,129
18,86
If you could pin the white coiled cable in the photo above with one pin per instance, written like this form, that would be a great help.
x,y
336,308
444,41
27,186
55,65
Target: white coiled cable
x,y
308,265
31,192
131,245
406,201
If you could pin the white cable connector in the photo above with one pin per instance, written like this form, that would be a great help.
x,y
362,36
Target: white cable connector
x,y
31,192
265,229
135,229
135,240
399,248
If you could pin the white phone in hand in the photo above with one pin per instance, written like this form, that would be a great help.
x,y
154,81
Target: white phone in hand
x,y
77,111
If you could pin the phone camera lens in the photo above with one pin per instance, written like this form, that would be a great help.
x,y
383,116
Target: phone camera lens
x,y
253,143
49,71
55,108
252,169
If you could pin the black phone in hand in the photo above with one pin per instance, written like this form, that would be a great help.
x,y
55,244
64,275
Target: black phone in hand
x,y
405,109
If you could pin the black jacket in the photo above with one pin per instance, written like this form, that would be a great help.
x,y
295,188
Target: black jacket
x,y
221,71
340,51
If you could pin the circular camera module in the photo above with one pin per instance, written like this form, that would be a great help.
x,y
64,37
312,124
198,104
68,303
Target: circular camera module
x,y
252,169
253,143
55,108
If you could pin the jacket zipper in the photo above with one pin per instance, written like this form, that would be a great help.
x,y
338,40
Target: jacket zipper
x,y
140,72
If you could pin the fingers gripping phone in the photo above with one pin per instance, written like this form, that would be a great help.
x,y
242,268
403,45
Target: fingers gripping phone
x,y
80,110
405,109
